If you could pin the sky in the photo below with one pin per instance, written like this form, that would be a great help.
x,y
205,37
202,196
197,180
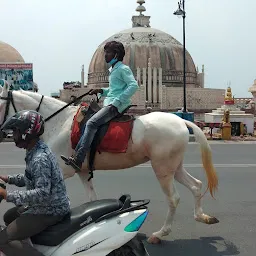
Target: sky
x,y
58,37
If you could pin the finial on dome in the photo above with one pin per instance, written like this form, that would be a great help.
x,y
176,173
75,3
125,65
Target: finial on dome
x,y
141,20
141,8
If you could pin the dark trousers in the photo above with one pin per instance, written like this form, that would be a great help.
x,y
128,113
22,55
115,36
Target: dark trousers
x,y
20,227
103,116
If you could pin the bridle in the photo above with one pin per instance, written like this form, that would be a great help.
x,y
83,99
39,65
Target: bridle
x,y
10,100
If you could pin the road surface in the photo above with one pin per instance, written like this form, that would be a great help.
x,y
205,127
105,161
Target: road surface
x,y
235,204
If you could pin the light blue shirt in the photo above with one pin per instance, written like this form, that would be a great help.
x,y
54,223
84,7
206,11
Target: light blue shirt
x,y
122,86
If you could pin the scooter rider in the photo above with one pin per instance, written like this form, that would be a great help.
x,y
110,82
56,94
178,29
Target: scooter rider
x,y
45,202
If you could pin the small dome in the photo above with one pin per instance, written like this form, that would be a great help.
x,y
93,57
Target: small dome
x,y
9,54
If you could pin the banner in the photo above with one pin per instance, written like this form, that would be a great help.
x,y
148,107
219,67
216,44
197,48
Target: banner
x,y
19,76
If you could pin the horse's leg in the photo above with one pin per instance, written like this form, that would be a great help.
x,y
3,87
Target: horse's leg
x,y
88,185
195,186
165,177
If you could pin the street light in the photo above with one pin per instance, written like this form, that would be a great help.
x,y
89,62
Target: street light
x,y
181,12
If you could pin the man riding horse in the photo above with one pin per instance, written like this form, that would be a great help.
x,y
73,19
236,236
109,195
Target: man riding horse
x,y
122,86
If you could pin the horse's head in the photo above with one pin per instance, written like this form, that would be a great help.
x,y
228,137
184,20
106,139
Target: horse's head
x,y
14,101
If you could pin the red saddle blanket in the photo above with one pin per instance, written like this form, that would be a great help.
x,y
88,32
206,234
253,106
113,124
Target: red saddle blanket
x,y
115,140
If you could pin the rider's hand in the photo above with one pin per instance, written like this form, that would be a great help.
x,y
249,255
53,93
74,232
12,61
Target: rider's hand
x,y
96,91
4,178
112,106
3,192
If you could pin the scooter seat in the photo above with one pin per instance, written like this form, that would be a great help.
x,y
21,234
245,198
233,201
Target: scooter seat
x,y
79,217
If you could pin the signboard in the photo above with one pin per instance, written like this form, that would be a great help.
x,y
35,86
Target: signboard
x,y
18,75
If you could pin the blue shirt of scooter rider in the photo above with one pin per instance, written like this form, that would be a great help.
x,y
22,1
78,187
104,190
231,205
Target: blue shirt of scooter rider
x,y
45,202
46,191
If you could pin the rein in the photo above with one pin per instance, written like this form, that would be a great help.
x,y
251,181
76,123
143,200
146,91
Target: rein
x,y
73,101
9,100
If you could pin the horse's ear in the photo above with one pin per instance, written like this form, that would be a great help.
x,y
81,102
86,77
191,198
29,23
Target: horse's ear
x,y
6,86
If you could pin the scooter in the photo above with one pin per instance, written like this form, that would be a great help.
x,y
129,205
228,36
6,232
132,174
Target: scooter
x,y
106,227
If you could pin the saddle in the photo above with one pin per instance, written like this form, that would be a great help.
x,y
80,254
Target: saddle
x,y
112,137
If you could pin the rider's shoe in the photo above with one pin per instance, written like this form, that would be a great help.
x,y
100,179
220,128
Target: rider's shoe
x,y
73,162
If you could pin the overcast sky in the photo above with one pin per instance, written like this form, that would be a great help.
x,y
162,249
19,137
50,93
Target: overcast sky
x,y
58,36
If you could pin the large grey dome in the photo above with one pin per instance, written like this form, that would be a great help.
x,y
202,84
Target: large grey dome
x,y
141,43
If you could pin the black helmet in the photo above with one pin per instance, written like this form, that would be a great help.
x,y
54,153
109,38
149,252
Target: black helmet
x,y
29,123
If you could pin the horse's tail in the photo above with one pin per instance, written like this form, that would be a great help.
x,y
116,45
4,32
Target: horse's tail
x,y
206,157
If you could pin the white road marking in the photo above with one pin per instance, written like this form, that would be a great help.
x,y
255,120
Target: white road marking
x,y
215,165
12,166
147,165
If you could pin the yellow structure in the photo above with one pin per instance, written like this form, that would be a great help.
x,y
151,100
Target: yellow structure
x,y
229,99
228,95
226,126
242,130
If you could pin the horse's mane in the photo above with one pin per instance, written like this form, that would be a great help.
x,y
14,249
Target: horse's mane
x,y
31,99
37,97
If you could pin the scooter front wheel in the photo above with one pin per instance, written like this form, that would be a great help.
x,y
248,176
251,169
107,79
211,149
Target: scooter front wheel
x,y
134,247
123,251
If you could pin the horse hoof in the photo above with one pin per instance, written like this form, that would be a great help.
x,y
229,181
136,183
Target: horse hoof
x,y
206,219
154,240
212,220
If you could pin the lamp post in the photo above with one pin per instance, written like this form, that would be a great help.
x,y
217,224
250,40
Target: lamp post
x,y
181,12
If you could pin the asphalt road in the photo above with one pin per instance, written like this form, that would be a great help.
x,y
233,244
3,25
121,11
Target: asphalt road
x,y
235,204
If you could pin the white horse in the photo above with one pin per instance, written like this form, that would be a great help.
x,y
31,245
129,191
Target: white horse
x,y
157,137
